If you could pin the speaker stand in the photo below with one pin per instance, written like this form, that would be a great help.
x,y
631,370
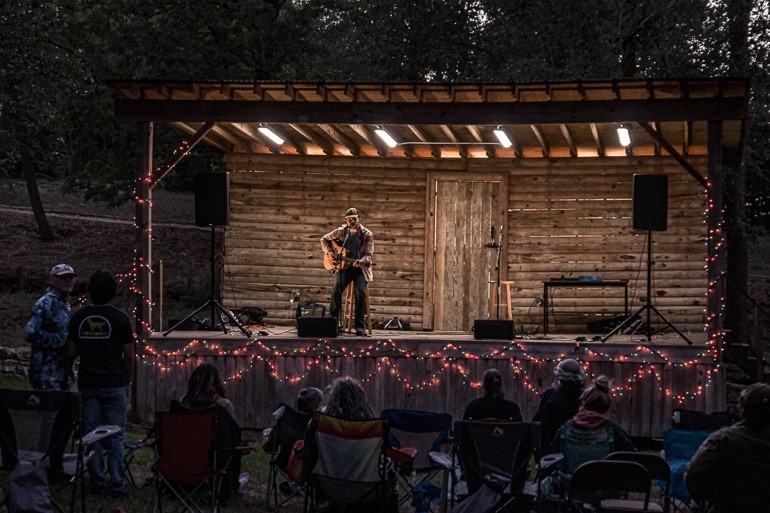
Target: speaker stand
x,y
213,304
648,306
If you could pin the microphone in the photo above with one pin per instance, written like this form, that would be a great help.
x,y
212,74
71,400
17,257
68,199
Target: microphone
x,y
492,243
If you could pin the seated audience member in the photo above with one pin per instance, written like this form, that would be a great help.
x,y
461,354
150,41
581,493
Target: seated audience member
x,y
492,405
589,435
206,391
308,401
347,400
731,469
561,403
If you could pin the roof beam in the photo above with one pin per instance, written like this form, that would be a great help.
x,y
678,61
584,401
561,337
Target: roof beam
x,y
453,137
436,113
597,139
158,174
341,138
488,148
570,140
327,148
435,149
366,135
675,154
541,138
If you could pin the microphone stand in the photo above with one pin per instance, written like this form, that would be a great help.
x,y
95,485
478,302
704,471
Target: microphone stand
x,y
497,246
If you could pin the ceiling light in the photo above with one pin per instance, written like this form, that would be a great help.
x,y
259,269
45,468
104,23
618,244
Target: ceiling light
x,y
623,135
385,136
505,141
271,135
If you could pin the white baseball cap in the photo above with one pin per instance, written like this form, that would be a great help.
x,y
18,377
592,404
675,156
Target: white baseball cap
x,y
63,270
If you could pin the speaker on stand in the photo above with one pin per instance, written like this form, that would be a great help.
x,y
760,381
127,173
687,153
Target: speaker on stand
x,y
650,194
212,208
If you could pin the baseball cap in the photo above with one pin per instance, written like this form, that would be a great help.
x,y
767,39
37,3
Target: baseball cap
x,y
62,270
351,212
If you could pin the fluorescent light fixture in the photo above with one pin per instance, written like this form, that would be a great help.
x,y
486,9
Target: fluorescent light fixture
x,y
623,135
271,135
503,137
386,138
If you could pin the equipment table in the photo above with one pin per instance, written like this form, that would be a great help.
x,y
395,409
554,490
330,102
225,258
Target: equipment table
x,y
549,284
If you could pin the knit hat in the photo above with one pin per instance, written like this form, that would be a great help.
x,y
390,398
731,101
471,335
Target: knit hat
x,y
569,370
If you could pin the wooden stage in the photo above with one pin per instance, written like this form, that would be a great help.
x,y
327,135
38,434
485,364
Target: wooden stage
x,y
433,371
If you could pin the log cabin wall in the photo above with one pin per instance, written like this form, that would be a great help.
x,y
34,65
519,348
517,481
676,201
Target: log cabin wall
x,y
573,217
566,218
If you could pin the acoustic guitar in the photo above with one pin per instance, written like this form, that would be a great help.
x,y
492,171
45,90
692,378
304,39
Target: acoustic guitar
x,y
339,260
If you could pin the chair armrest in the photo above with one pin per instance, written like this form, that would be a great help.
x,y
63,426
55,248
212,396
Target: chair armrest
x,y
99,433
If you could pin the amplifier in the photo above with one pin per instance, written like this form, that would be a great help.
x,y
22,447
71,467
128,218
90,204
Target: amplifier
x,y
489,328
320,327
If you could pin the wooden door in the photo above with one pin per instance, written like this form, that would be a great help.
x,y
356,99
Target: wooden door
x,y
464,210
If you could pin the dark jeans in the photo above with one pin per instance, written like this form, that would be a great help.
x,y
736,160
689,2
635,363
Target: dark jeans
x,y
344,277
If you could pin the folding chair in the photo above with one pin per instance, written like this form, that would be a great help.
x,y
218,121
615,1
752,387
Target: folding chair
x,y
350,472
412,436
496,454
658,470
593,480
190,464
37,427
679,446
289,427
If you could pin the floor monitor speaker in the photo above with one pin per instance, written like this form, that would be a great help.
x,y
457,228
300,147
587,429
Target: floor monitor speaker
x,y
212,199
320,327
651,202
492,328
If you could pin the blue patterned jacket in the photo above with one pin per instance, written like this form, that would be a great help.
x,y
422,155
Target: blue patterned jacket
x,y
47,330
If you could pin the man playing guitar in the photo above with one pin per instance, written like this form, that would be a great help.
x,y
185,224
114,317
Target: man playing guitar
x,y
348,252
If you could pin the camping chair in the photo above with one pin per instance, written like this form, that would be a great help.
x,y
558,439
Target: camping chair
x,y
350,471
591,481
36,429
496,454
289,427
679,446
412,436
658,470
194,459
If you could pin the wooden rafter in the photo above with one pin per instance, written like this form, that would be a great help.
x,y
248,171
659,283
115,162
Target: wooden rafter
x,y
450,133
336,135
541,139
476,134
675,154
371,138
597,139
570,140
327,148
435,149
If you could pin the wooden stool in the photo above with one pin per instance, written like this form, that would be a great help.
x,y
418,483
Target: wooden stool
x,y
506,287
349,309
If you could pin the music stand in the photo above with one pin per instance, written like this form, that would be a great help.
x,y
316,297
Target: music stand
x,y
212,303
647,306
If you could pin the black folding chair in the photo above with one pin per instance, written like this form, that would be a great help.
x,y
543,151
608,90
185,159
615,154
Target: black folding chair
x,y
36,429
658,470
496,454
595,486
289,427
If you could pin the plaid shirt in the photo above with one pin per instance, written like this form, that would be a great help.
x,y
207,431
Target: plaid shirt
x,y
366,249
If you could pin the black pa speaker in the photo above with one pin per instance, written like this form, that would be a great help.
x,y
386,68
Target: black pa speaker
x,y
651,202
319,327
492,328
212,199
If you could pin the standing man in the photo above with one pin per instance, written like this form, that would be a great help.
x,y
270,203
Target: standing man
x,y
101,335
50,368
351,247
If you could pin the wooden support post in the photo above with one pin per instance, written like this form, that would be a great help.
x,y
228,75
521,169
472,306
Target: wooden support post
x,y
716,262
143,221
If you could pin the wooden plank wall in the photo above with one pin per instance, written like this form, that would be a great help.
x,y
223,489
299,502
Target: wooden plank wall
x,y
647,389
566,218
281,206
572,217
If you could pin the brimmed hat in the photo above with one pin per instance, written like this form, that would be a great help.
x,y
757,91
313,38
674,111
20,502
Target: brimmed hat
x,y
569,370
351,212
62,270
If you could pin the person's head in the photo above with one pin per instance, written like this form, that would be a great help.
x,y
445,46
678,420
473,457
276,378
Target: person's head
x,y
63,279
204,385
754,404
493,384
309,400
102,287
597,396
348,400
351,217
568,372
